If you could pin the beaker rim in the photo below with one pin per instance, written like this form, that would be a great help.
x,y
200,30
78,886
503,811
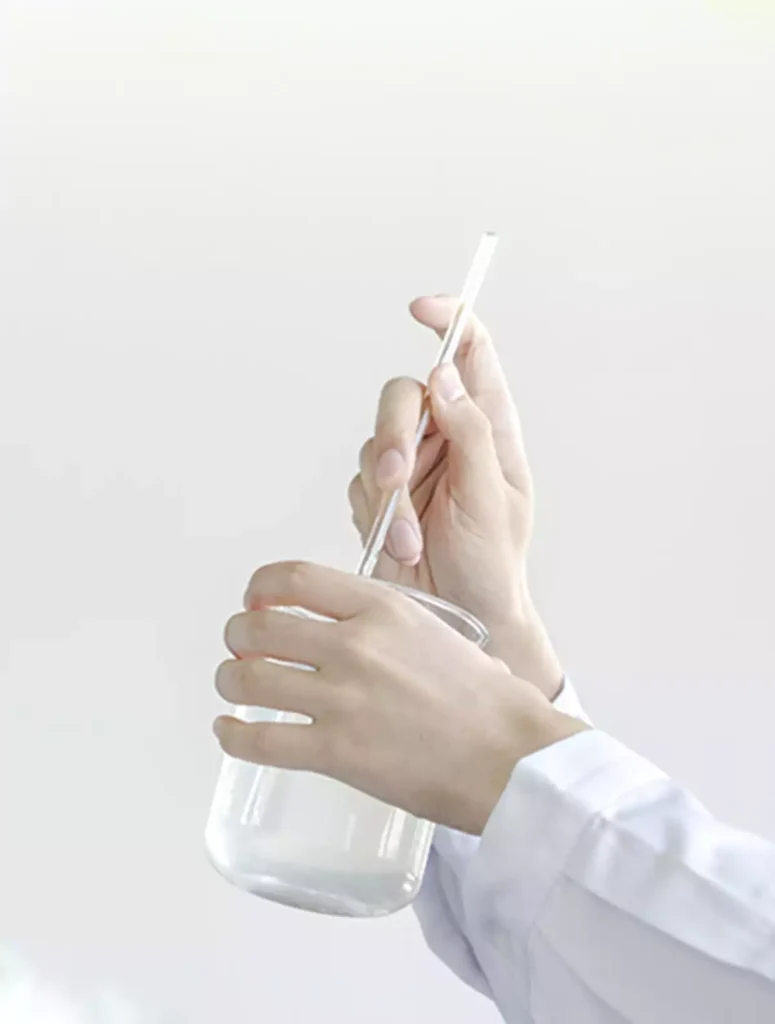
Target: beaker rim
x,y
423,597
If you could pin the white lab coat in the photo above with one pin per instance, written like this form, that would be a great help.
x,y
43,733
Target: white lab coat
x,y
602,893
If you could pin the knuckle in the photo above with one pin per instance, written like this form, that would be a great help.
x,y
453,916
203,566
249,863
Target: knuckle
x,y
480,430
243,681
397,386
245,632
393,606
366,454
480,422
260,575
393,437
354,491
399,404
359,639
298,575
254,627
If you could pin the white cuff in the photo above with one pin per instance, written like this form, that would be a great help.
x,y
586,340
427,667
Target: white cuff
x,y
458,847
567,701
553,796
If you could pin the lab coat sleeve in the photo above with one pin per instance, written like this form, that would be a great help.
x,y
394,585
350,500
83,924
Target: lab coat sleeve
x,y
603,893
438,906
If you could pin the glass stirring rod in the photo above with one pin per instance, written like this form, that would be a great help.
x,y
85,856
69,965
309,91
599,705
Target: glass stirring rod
x,y
375,542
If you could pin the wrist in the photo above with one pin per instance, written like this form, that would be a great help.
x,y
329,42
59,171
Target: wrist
x,y
533,727
521,641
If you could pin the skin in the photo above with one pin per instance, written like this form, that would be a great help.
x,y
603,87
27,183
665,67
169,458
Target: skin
x,y
402,707
465,519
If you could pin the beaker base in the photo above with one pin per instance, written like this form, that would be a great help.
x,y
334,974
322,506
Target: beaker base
x,y
332,893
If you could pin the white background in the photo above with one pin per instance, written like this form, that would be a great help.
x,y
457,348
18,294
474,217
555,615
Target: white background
x,y
213,217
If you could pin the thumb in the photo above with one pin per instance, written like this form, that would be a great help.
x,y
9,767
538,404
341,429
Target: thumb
x,y
474,469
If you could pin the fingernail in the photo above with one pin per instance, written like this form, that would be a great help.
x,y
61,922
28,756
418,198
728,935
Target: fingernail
x,y
389,465
448,383
405,541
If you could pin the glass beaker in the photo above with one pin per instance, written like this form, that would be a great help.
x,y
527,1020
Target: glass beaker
x,y
313,842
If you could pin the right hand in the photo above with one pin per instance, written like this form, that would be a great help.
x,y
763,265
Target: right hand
x,y
401,706
465,517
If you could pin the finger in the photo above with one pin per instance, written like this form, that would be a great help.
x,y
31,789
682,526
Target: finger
x,y
329,592
365,500
398,414
386,568
255,682
266,633
367,465
404,540
485,382
431,455
402,547
474,471
286,745
422,494
359,506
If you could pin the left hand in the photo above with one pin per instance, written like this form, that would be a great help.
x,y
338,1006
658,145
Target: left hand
x,y
403,708
464,519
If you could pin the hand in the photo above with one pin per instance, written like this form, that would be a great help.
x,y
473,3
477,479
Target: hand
x,y
402,707
464,521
